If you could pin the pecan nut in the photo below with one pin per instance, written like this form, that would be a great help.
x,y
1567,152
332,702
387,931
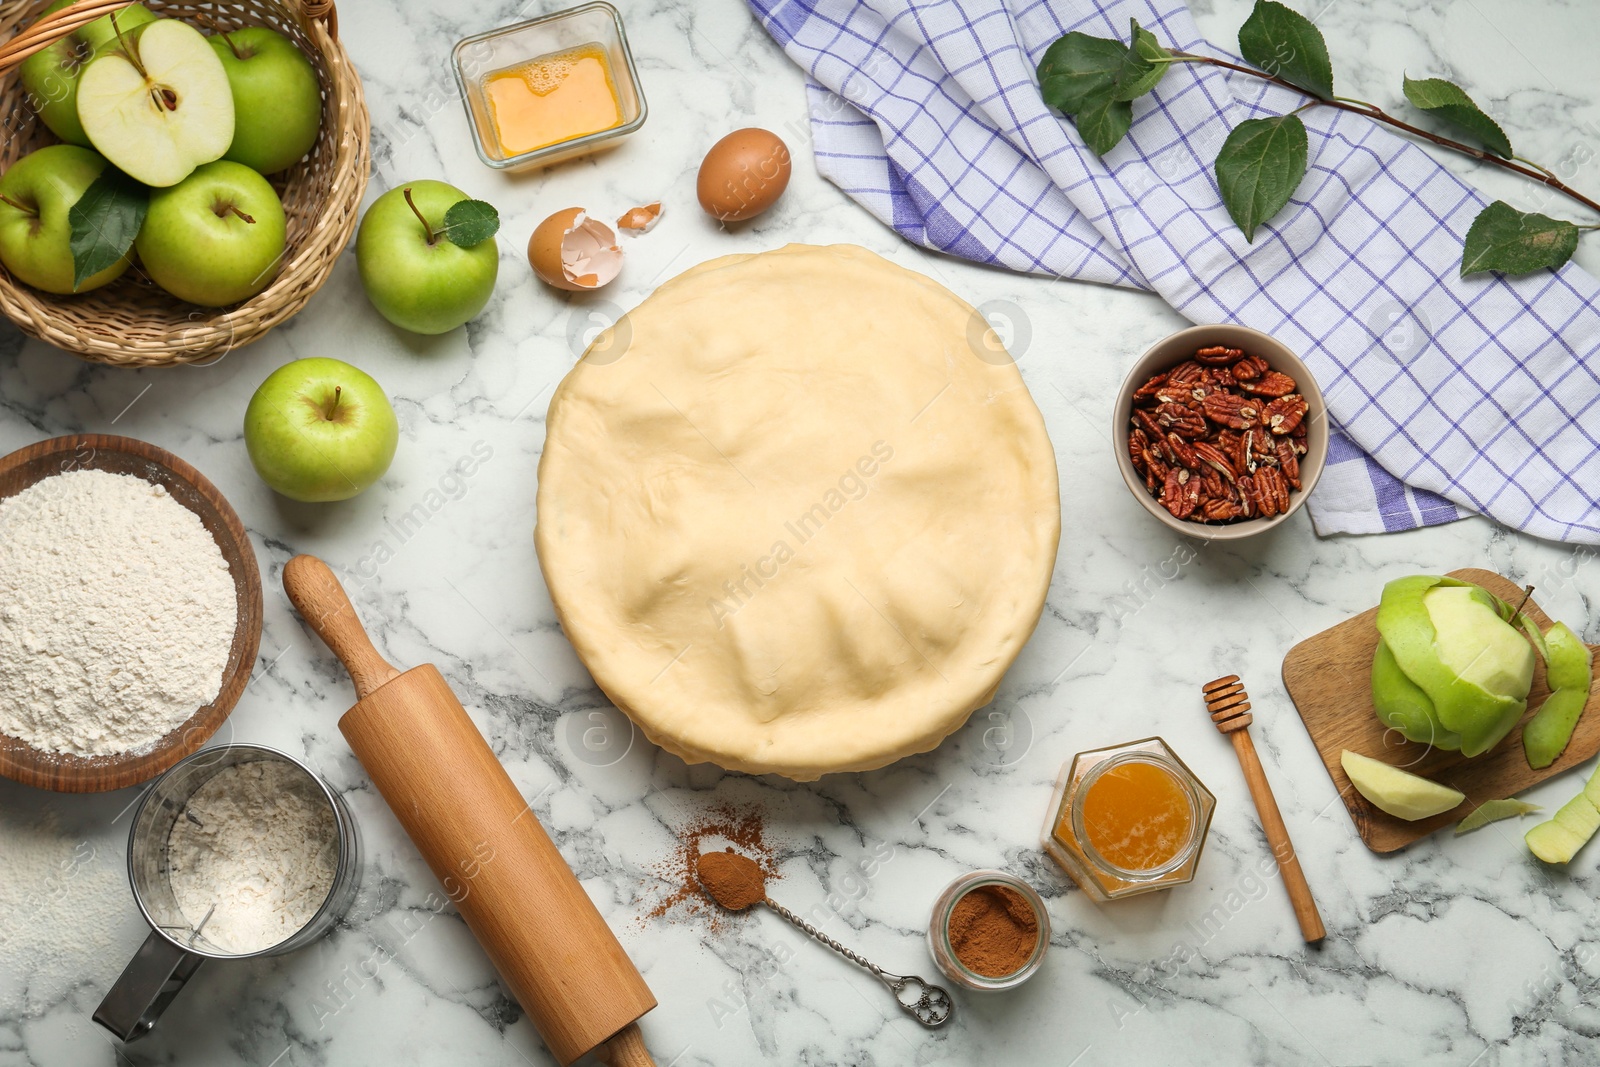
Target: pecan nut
x,y
1248,369
1182,452
1219,510
1270,493
1145,421
1239,412
1271,384
1213,456
1189,371
1285,414
1148,389
1181,420
1180,493
1137,444
1288,461
1218,355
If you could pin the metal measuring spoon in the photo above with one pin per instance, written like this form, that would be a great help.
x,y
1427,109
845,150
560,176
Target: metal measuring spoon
x,y
929,1004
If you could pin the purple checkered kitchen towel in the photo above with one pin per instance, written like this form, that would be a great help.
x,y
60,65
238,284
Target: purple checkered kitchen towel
x,y
1450,395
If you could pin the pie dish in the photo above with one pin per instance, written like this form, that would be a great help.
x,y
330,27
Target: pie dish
x,y
797,512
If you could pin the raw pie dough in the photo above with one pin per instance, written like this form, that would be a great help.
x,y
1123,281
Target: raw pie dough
x,y
797,512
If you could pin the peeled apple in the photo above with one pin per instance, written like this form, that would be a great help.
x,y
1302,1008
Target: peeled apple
x,y
1451,670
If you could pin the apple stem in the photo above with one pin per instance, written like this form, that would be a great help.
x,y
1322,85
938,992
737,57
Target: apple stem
x,y
426,227
235,209
228,40
20,207
334,406
127,47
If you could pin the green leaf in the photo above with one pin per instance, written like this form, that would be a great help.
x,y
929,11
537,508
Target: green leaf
x,y
1138,74
104,222
1105,123
1448,101
1078,70
1094,79
1259,167
1493,811
470,222
1283,42
1507,240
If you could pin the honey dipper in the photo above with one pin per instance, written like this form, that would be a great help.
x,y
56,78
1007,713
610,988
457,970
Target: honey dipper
x,y
1230,710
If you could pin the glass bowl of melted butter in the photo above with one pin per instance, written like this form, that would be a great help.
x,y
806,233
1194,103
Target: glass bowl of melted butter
x,y
550,88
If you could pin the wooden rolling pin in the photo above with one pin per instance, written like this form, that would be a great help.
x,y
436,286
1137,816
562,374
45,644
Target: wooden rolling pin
x,y
540,929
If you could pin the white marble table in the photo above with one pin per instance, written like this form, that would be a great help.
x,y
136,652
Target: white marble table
x,y
1455,952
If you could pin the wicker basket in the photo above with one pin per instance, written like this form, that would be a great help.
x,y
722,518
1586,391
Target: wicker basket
x,y
132,322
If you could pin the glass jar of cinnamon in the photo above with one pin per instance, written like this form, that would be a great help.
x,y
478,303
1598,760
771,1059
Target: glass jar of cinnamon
x,y
989,931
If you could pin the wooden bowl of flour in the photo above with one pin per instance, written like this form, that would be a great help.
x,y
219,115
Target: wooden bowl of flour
x,y
69,773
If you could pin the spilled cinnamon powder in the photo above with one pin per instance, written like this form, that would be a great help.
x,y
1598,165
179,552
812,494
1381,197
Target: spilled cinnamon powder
x,y
717,827
993,930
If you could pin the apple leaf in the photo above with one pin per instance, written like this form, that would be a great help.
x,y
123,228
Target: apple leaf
x,y
1144,65
1078,71
1094,78
1258,168
1104,123
1451,103
1504,239
470,222
1285,43
104,221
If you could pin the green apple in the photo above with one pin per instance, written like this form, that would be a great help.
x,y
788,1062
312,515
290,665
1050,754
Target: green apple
x,y
277,101
319,430
414,276
216,237
156,102
50,75
35,235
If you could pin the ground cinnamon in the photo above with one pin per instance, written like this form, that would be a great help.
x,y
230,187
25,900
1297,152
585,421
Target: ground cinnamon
x,y
993,930
734,881
677,893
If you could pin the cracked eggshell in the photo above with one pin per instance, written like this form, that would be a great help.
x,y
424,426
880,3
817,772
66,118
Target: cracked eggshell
x,y
572,251
641,219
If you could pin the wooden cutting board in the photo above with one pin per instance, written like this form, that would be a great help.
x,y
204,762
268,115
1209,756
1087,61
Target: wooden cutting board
x,y
1327,677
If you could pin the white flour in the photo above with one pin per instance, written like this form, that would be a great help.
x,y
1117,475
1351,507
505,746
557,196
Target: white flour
x,y
66,919
264,858
116,614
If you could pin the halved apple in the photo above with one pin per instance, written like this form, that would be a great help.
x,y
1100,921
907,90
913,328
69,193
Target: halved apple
x,y
157,104
50,75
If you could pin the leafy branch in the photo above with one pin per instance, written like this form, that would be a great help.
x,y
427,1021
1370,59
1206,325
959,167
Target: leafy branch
x,y
1263,161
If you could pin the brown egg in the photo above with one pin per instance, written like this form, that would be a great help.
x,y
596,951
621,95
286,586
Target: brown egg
x,y
743,174
572,251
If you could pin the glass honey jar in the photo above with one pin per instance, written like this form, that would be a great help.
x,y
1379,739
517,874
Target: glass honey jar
x,y
1128,819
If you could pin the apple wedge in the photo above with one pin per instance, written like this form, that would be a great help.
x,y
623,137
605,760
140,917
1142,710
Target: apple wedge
x,y
1558,839
157,104
1400,793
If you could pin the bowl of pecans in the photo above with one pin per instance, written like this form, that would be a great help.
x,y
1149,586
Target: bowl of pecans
x,y
1221,431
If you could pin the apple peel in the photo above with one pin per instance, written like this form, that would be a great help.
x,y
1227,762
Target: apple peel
x,y
641,219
